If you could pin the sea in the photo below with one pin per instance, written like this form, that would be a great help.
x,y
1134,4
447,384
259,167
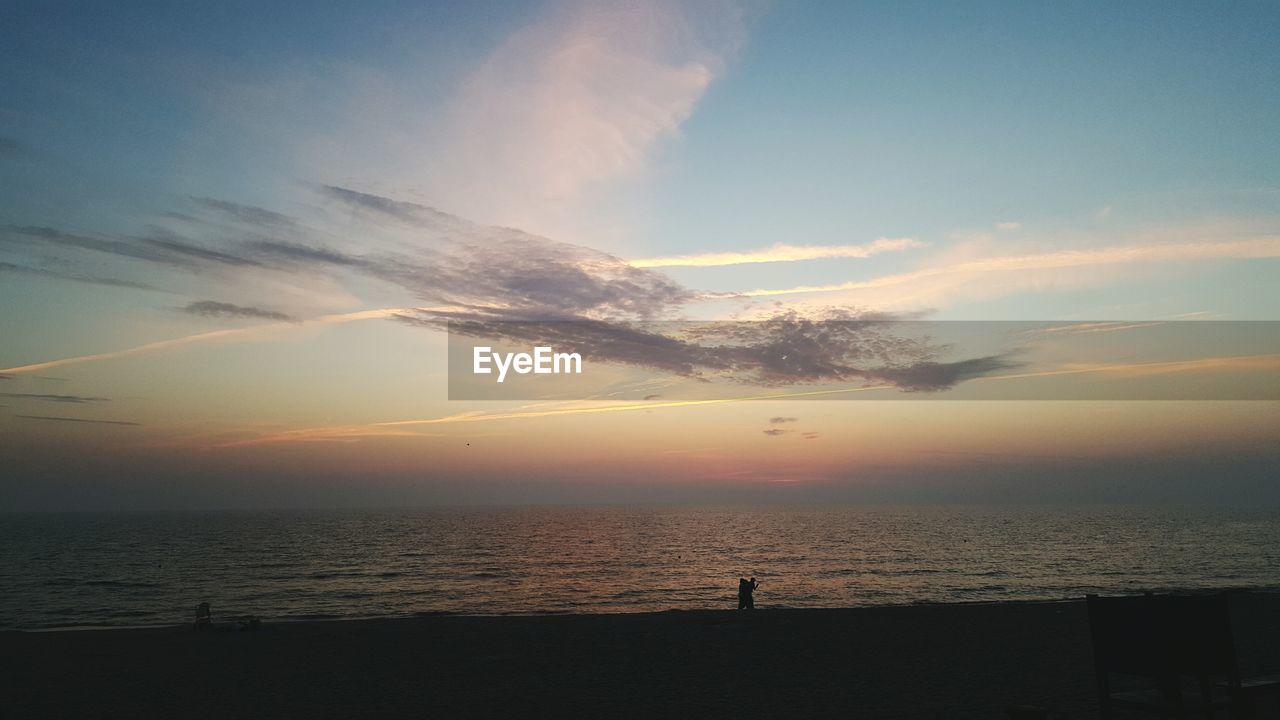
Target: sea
x,y
85,570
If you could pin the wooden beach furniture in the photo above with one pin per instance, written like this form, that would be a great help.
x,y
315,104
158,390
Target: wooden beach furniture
x,y
1169,656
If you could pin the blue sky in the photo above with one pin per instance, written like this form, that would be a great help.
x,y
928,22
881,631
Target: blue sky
x,y
824,123
896,118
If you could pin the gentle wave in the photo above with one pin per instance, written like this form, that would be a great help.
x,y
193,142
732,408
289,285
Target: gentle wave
x,y
66,571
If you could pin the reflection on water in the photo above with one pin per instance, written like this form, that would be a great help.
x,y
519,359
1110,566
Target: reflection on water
x,y
77,569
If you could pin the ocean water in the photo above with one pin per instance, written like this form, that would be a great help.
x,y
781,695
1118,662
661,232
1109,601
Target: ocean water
x,y
86,570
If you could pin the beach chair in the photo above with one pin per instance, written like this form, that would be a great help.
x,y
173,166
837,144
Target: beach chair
x,y
1256,625
1139,664
1204,649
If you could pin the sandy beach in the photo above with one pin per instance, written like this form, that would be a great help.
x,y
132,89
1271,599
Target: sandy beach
x,y
943,661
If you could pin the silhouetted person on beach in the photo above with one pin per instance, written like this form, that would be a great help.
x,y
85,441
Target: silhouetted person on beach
x,y
746,601
204,619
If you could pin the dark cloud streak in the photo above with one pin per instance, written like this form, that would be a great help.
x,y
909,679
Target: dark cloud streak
x,y
450,261
79,399
408,212
508,284
77,420
74,277
162,246
211,308
781,351
247,214
173,245
295,253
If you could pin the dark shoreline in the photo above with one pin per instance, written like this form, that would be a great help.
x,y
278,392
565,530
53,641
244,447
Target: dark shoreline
x,y
229,621
968,660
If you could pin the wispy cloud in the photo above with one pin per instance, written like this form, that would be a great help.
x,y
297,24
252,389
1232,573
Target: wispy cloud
x,y
246,214
780,253
76,420
411,213
74,277
504,268
394,428
461,265
780,420
481,278
1161,367
341,434
235,333
1261,247
448,260
211,308
774,432
78,399
785,349
173,247
1093,327
579,97
158,246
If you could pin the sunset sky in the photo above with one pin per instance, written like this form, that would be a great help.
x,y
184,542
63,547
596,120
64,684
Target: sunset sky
x,y
231,235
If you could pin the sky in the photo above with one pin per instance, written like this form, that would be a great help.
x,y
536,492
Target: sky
x,y
233,235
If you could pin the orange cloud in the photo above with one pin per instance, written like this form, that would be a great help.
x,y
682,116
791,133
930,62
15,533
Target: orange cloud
x,y
780,253
1264,247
